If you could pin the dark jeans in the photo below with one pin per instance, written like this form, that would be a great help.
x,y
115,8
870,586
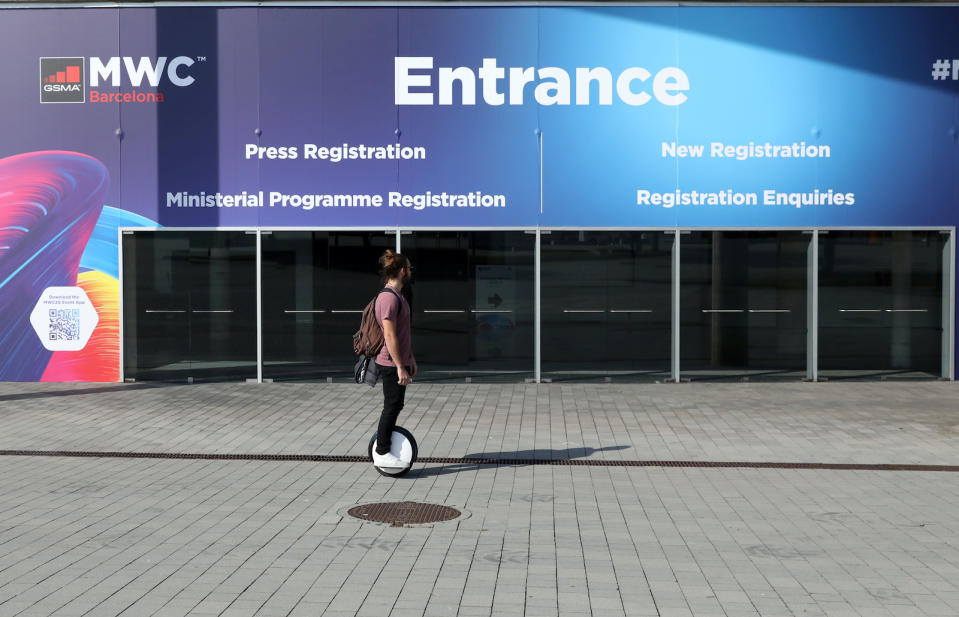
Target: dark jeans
x,y
394,395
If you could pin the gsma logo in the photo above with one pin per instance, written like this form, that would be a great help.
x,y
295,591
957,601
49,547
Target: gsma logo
x,y
61,80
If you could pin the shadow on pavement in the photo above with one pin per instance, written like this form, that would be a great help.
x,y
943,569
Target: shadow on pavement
x,y
80,391
518,458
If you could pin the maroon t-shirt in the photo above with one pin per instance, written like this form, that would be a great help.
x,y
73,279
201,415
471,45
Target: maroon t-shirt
x,y
393,306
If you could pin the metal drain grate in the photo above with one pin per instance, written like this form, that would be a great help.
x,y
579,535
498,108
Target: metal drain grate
x,y
404,513
322,458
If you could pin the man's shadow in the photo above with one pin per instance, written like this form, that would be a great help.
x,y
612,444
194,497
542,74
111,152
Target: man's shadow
x,y
518,458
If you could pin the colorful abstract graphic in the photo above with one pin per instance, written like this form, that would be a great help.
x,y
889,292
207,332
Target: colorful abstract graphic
x,y
99,277
49,206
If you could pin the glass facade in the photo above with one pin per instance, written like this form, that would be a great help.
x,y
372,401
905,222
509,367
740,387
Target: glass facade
x,y
614,305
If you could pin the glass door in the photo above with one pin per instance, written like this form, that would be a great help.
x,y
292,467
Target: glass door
x,y
472,295
606,305
189,305
743,305
315,285
880,312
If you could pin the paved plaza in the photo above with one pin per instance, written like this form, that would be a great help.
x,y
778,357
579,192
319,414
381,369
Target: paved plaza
x,y
110,535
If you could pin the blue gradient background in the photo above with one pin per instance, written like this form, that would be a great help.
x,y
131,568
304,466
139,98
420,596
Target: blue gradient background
x,y
859,78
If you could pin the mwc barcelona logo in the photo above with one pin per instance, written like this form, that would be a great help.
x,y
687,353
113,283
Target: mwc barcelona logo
x,y
97,80
61,80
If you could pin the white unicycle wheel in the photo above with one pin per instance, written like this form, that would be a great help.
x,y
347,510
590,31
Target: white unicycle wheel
x,y
403,445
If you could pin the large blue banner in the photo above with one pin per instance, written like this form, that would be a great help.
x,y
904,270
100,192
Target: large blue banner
x,y
626,116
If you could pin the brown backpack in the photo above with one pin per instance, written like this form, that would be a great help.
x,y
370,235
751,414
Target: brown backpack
x,y
368,340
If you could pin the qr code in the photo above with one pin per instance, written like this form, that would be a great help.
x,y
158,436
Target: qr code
x,y
64,324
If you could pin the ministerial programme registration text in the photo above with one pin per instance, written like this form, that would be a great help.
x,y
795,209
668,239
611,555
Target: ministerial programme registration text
x,y
310,201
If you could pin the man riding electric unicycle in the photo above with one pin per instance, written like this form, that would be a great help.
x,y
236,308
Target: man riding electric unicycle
x,y
393,448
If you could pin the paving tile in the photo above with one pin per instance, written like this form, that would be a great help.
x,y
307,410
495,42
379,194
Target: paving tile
x,y
95,536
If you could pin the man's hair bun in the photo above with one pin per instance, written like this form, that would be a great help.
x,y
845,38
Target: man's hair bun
x,y
391,263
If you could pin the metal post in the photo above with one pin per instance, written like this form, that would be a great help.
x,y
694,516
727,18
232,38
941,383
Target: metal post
x,y
949,306
537,309
675,320
120,291
259,307
812,307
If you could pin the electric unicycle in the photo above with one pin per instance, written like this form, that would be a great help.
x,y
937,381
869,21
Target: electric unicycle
x,y
403,446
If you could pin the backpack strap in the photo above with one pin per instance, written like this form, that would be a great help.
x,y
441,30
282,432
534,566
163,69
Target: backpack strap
x,y
392,291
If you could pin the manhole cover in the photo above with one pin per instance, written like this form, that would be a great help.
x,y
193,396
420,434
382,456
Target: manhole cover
x,y
404,513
